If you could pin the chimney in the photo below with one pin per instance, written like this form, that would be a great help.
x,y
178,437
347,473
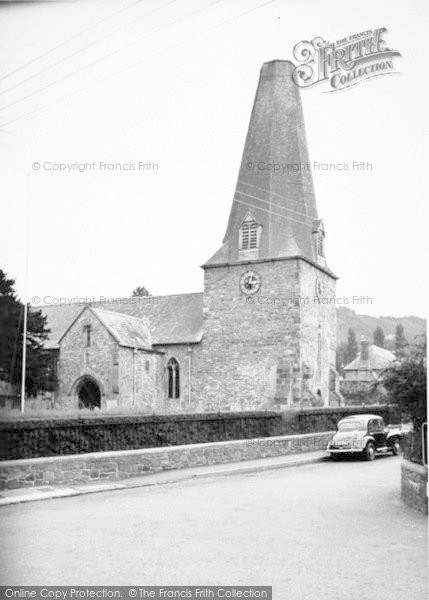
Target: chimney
x,y
364,355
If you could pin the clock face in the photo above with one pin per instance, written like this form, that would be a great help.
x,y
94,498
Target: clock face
x,y
250,283
319,287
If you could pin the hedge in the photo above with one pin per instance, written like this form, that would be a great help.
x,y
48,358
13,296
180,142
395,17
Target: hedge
x,y
31,438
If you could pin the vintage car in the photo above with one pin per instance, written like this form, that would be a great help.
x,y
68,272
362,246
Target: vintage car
x,y
366,436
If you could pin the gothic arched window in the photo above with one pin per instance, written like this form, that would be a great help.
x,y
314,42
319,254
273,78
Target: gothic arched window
x,y
173,378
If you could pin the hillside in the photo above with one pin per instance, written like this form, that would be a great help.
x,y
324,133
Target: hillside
x,y
365,325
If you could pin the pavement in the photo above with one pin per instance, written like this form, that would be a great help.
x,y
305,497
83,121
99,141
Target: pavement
x,y
325,531
46,492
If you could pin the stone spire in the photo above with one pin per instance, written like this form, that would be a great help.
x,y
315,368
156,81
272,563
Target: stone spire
x,y
274,187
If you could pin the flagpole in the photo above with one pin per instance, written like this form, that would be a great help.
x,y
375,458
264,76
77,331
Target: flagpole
x,y
24,357
24,332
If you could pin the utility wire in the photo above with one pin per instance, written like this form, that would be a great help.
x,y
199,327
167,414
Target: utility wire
x,y
270,211
106,56
278,206
241,181
70,39
132,65
288,181
97,41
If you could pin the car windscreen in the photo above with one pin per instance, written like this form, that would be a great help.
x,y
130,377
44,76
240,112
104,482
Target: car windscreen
x,y
350,426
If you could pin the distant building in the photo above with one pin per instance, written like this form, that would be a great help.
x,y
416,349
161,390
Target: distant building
x,y
362,372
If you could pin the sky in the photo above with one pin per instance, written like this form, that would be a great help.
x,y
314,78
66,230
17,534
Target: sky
x,y
170,85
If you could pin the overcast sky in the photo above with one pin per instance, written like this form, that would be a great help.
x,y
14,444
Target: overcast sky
x,y
185,105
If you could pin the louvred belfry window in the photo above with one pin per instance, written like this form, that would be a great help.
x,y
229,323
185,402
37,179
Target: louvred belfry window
x,y
320,243
249,236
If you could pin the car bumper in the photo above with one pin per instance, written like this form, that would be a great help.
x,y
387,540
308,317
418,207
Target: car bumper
x,y
345,450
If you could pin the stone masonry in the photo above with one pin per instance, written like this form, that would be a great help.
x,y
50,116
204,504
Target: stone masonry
x,y
262,350
113,466
126,377
414,481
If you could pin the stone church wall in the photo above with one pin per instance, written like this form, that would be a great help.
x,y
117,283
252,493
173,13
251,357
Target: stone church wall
x,y
183,353
251,344
317,332
77,360
112,367
263,350
141,385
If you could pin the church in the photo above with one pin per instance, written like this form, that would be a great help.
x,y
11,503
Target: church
x,y
259,336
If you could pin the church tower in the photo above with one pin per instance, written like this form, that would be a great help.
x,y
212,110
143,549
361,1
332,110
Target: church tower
x,y
269,314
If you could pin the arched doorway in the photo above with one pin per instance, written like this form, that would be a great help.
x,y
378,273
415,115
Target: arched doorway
x,y
89,394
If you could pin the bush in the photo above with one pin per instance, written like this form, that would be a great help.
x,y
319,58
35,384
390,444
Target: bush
x,y
61,436
405,380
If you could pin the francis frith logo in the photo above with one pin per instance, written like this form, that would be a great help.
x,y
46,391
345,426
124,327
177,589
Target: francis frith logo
x,y
343,63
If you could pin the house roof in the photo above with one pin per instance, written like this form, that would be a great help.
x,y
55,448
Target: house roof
x,y
378,359
173,319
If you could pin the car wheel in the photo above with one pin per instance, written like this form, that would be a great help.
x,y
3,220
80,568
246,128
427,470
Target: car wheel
x,y
369,452
396,447
334,456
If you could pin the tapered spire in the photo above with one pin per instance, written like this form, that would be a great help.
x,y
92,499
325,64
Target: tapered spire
x,y
274,198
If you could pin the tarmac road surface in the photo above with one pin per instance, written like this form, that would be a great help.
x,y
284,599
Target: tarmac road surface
x,y
333,530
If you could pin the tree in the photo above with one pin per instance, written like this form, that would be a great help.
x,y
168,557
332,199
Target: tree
x,y
405,380
379,337
352,346
340,358
400,341
39,361
140,291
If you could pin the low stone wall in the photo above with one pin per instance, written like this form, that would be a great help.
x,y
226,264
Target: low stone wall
x,y
29,437
82,468
414,479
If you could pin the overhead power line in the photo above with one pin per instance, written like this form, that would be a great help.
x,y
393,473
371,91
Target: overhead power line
x,y
70,39
300,214
270,212
93,43
110,54
135,64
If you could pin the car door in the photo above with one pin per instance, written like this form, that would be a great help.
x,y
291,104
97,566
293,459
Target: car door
x,y
376,428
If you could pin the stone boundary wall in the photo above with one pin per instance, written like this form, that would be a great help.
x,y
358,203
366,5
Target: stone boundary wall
x,y
113,466
43,437
414,479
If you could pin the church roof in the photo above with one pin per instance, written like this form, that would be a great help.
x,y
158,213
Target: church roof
x,y
128,331
176,319
275,180
378,359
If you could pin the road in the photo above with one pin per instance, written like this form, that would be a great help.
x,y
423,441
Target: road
x,y
334,531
